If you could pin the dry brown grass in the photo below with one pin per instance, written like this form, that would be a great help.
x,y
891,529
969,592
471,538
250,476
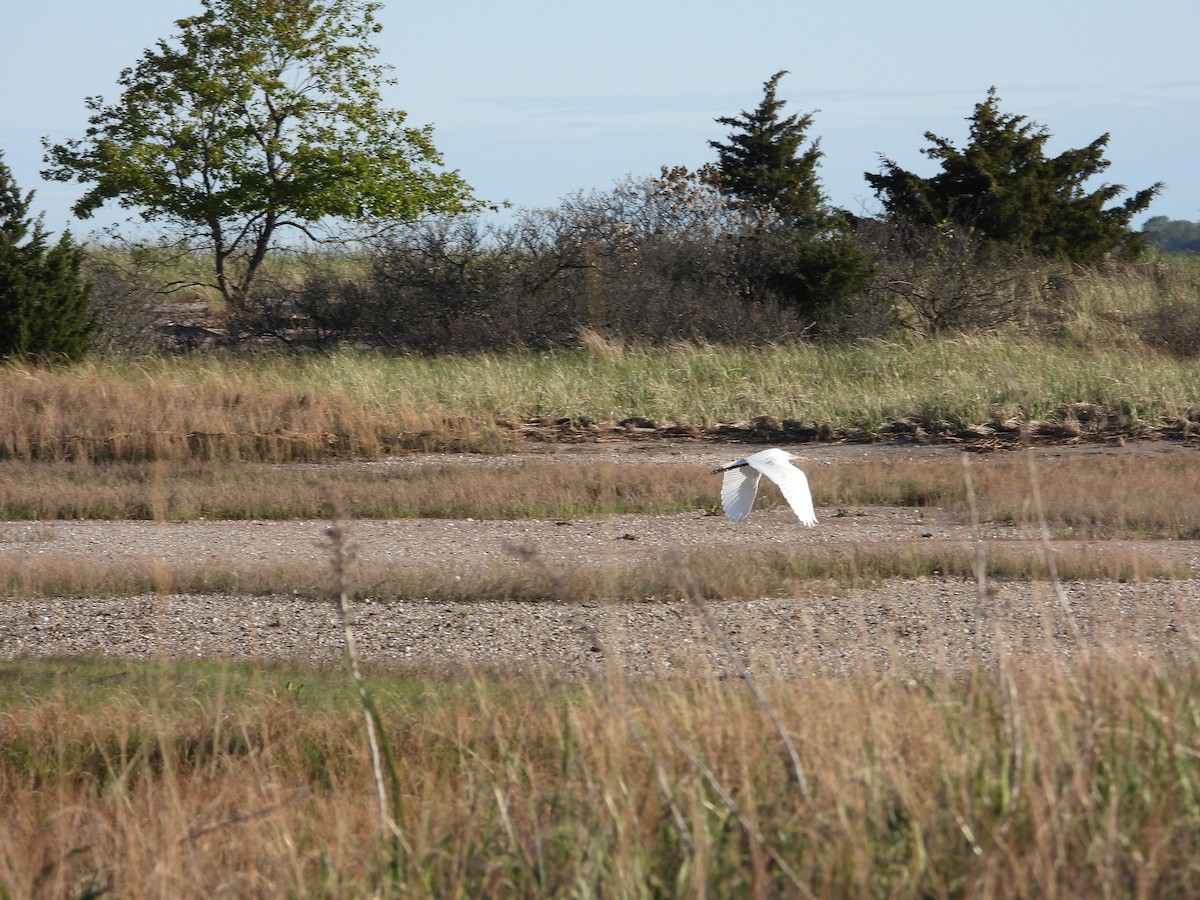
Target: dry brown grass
x,y
1069,774
193,782
276,411
1084,496
736,573
191,490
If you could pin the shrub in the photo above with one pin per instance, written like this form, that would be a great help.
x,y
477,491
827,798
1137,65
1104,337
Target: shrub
x,y
792,248
949,279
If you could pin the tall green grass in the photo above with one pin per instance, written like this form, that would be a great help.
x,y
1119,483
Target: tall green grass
x,y
355,405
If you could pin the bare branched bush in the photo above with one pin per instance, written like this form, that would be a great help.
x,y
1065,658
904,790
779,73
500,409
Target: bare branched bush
x,y
437,286
651,261
134,295
948,279
648,263
667,290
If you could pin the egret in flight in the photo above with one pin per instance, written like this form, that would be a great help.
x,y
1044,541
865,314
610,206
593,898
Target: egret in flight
x,y
741,484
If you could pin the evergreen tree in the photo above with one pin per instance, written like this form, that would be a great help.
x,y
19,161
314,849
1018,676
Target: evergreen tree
x,y
1004,187
764,166
796,249
45,305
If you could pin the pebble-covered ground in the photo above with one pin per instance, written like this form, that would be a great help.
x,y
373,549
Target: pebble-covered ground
x,y
908,625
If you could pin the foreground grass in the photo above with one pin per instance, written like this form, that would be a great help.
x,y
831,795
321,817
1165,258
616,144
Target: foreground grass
x,y
350,405
191,780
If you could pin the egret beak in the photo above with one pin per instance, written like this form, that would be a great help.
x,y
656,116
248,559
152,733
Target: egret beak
x,y
737,465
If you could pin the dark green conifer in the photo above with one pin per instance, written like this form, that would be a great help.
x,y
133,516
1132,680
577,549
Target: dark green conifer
x,y
1004,187
764,164
45,304
796,249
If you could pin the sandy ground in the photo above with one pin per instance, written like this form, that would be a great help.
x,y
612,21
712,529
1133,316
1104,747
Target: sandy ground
x,y
908,625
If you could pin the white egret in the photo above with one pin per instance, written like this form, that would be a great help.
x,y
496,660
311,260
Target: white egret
x,y
741,484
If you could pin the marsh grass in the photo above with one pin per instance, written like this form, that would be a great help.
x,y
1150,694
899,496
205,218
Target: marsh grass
x,y
1074,774
1135,495
1124,500
738,574
187,491
187,780
1144,495
276,409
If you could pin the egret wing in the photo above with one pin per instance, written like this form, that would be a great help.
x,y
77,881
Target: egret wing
x,y
793,483
737,492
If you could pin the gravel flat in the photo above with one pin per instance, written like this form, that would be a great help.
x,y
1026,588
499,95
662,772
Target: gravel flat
x,y
939,623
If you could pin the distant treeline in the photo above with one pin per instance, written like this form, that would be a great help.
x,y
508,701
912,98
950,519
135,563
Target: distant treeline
x,y
623,266
1172,235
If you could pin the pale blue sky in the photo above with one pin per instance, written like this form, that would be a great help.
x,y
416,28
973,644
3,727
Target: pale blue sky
x,y
532,101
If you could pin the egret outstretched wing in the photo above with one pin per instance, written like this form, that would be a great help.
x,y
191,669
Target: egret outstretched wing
x,y
737,492
793,483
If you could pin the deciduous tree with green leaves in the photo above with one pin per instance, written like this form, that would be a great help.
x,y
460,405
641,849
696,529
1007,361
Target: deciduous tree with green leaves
x,y
796,249
260,118
1004,187
45,304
